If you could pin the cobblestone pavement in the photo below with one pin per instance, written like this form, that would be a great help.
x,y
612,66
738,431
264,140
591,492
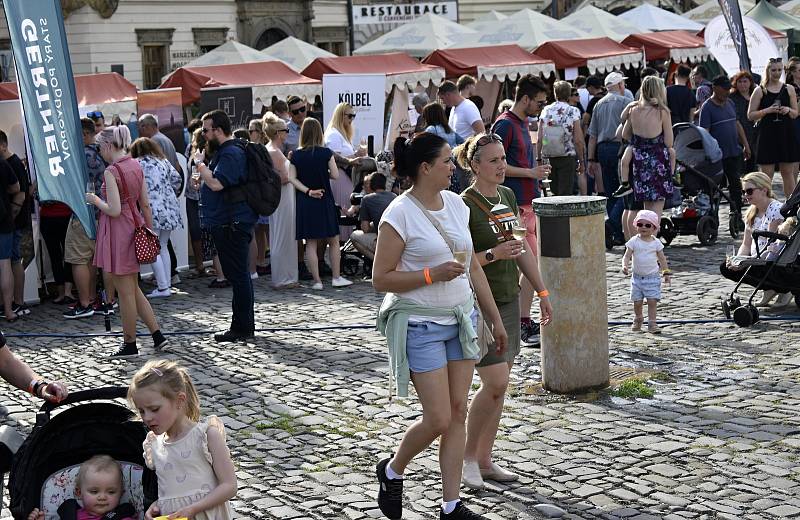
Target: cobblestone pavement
x,y
308,413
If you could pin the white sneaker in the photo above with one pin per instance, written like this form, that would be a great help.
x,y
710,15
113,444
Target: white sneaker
x,y
783,300
166,293
498,474
317,286
175,279
471,475
341,282
766,298
254,276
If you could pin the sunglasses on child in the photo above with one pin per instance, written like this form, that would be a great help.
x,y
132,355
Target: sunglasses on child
x,y
645,225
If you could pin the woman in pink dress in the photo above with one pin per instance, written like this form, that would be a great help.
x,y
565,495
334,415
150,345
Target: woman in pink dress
x,y
123,187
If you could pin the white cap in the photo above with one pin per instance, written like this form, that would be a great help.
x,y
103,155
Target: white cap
x,y
614,78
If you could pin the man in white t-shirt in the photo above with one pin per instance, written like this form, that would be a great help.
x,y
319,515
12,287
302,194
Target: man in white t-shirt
x,y
465,118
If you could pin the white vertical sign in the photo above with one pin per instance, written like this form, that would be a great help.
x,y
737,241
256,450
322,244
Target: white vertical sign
x,y
365,93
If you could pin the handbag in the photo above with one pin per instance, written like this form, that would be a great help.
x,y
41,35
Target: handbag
x,y
484,330
145,240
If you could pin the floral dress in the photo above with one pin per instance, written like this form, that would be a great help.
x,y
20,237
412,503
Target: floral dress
x,y
652,178
162,181
184,470
564,115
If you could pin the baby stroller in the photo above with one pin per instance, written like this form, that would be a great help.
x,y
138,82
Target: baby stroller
x,y
353,262
45,466
695,202
781,274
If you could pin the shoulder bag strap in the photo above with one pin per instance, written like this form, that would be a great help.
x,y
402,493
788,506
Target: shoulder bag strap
x,y
123,192
485,209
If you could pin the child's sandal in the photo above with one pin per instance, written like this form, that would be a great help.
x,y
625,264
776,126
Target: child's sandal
x,y
637,324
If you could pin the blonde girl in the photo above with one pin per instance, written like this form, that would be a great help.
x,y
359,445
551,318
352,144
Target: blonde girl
x,y
196,476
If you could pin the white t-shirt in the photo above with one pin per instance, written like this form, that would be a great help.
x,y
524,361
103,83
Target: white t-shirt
x,y
462,116
762,223
425,247
645,259
338,143
584,97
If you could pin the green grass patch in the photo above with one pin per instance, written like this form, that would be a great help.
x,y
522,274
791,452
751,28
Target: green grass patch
x,y
635,388
284,422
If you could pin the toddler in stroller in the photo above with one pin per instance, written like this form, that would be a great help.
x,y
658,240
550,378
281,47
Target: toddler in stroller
x,y
99,487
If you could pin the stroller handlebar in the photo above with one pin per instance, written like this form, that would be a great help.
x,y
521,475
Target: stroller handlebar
x,y
770,235
108,392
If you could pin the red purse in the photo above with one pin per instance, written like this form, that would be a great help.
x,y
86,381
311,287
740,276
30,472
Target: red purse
x,y
145,240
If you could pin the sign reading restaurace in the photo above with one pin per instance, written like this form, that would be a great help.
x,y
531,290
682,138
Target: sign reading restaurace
x,y
401,13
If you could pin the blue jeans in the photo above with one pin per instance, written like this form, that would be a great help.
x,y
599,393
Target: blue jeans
x,y
607,156
233,246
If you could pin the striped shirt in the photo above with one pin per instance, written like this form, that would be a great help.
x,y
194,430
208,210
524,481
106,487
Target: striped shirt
x,y
519,153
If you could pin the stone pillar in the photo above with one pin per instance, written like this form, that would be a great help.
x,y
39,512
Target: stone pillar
x,y
573,264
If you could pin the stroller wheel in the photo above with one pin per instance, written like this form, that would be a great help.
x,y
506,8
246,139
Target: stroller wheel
x,y
726,309
666,231
707,230
350,265
745,315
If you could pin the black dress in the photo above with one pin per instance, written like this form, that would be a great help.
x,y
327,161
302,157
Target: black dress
x,y
316,218
776,139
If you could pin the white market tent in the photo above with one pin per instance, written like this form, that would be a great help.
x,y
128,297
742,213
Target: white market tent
x,y
654,18
296,53
598,23
525,28
418,38
230,53
703,13
488,17
792,7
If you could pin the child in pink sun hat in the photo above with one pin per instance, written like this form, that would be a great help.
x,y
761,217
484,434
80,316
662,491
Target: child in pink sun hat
x,y
649,265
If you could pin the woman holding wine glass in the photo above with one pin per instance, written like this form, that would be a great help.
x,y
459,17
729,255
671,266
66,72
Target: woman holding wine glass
x,y
774,106
498,239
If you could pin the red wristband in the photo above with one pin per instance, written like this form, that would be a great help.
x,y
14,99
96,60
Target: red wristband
x,y
427,274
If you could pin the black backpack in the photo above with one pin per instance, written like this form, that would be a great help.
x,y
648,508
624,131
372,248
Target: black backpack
x,y
262,189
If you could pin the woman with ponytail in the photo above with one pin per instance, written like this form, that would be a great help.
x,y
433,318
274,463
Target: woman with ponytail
x,y
425,263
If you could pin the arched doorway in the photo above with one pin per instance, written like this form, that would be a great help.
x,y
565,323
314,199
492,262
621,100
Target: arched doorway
x,y
270,37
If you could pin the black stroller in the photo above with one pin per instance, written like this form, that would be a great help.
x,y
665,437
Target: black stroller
x,y
45,466
695,202
779,274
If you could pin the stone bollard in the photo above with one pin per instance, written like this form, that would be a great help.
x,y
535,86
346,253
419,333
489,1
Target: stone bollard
x,y
573,264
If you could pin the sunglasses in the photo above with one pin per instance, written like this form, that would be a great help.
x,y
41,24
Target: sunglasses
x,y
284,130
645,225
749,191
298,110
776,60
483,141
541,103
95,115
350,116
206,130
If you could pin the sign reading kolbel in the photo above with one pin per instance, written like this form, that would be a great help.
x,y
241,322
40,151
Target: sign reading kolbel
x,y
371,20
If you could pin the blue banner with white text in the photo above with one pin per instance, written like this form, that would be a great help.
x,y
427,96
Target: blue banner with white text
x,y
47,92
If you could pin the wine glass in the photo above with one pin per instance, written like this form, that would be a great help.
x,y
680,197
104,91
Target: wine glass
x,y
730,252
461,256
89,190
519,231
777,103
545,161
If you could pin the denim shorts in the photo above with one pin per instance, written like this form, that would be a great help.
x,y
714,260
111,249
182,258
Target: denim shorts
x,y
6,245
15,246
429,346
645,287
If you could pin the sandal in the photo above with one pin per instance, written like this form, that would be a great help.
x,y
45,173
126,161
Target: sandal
x,y
652,328
637,324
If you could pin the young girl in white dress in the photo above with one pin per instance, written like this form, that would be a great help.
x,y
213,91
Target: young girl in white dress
x,y
196,476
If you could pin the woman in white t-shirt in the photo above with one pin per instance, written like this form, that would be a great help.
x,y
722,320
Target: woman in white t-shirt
x,y
428,315
763,215
339,137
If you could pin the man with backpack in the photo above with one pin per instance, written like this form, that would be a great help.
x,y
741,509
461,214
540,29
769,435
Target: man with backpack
x,y
230,219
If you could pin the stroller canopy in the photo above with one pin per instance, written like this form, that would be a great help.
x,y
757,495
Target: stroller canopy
x,y
694,145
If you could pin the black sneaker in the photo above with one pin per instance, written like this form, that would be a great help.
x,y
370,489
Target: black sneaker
x,y
230,335
624,189
460,513
127,350
390,492
159,341
529,334
78,312
20,309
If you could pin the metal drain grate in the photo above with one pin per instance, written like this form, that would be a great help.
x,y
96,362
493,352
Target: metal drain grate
x,y
618,374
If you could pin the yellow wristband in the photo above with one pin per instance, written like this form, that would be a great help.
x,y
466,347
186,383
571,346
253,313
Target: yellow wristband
x,y
543,294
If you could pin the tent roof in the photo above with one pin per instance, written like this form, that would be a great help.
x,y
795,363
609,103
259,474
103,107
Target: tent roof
x,y
525,28
230,52
770,16
90,89
273,73
488,17
417,38
679,46
503,61
703,13
297,53
654,18
597,54
401,69
792,7
598,23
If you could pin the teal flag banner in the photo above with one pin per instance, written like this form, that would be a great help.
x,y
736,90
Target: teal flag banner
x,y
47,92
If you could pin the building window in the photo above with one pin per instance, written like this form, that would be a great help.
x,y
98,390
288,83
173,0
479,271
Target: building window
x,y
155,54
338,48
209,38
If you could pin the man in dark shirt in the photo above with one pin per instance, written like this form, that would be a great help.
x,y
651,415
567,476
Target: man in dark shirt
x,y
372,207
230,218
21,208
9,188
680,99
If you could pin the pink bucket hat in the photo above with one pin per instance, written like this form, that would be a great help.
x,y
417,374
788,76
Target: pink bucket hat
x,y
646,215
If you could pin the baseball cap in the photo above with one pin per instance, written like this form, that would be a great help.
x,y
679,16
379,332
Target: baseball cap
x,y
614,78
594,81
722,81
